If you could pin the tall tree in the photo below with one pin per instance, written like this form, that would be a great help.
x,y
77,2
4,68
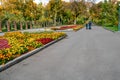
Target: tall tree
x,y
55,7
78,8
105,13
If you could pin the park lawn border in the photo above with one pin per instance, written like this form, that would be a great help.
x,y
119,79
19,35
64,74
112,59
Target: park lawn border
x,y
28,54
109,30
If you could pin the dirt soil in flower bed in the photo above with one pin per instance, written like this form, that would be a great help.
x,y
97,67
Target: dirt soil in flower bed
x,y
14,44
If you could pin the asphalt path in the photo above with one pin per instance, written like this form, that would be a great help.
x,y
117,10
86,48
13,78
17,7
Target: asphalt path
x,y
83,55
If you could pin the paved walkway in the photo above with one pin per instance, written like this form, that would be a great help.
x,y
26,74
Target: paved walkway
x,y
83,55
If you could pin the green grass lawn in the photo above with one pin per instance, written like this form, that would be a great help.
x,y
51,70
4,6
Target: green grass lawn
x,y
114,29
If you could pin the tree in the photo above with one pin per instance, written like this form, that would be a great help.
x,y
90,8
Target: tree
x,y
105,13
66,14
54,7
78,8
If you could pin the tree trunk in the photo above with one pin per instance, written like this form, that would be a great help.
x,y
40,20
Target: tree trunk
x,y
55,19
75,20
8,26
30,24
21,27
26,25
0,26
15,26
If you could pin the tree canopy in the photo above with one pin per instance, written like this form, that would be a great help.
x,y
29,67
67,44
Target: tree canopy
x,y
59,11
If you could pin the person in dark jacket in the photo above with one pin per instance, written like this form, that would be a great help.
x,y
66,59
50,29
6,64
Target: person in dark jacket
x,y
89,24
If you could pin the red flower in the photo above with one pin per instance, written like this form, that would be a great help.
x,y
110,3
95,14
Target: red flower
x,y
67,27
44,40
4,44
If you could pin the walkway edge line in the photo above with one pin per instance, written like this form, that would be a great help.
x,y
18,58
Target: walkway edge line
x,y
24,56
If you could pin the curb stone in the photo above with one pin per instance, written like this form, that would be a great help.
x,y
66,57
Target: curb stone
x,y
24,56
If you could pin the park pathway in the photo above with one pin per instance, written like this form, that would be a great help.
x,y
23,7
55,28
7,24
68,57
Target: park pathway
x,y
83,55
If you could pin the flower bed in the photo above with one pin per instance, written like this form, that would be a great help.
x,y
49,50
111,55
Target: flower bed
x,y
4,43
67,27
44,40
73,27
64,27
14,44
78,27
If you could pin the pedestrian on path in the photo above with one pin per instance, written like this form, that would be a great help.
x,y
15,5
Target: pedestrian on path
x,y
89,24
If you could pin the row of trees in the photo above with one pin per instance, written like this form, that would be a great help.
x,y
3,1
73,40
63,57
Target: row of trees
x,y
58,11
19,10
54,11
105,13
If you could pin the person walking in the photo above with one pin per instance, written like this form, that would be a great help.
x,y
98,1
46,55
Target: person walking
x,y
89,24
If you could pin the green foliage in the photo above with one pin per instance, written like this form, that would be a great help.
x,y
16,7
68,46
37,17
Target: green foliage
x,y
59,12
105,14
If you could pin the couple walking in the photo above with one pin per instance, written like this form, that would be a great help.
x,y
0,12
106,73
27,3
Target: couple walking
x,y
88,25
